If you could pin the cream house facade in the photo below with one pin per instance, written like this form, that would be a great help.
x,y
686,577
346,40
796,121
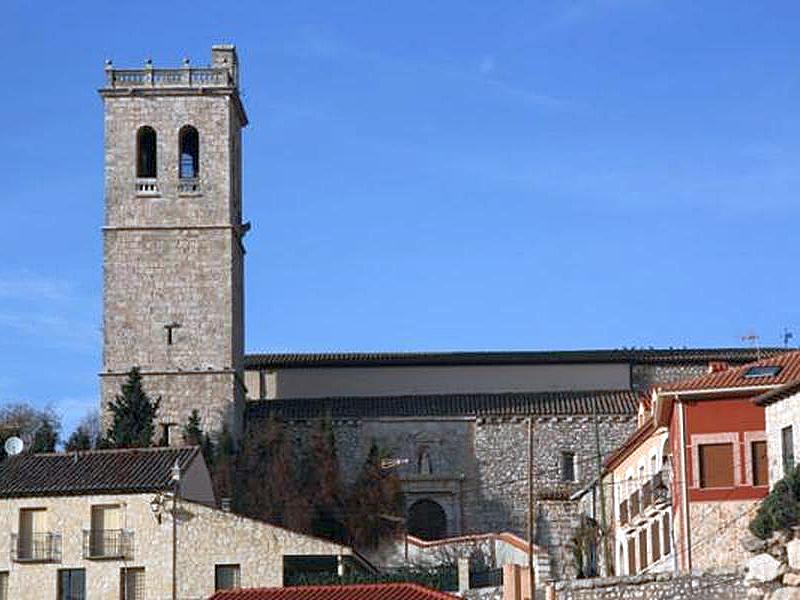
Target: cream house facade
x,y
782,416
117,543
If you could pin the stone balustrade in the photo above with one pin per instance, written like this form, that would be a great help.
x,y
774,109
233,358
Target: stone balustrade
x,y
184,77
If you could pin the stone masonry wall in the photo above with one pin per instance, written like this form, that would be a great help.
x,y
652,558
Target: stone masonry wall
x,y
645,375
205,537
174,257
717,529
667,586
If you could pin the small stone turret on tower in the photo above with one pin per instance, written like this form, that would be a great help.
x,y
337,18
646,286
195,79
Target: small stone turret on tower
x,y
172,238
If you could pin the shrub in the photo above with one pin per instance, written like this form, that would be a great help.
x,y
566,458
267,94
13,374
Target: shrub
x,y
780,510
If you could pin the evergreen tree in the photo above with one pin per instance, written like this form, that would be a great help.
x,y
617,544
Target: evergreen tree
x,y
45,437
223,466
375,506
266,470
192,432
133,415
321,484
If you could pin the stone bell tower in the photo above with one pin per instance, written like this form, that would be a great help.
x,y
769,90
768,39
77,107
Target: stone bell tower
x,y
172,239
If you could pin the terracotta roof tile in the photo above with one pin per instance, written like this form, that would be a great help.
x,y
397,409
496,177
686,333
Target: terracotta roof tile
x,y
734,377
91,472
602,402
399,359
382,591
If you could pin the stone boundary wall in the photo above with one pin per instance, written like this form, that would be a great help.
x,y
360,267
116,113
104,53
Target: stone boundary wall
x,y
663,586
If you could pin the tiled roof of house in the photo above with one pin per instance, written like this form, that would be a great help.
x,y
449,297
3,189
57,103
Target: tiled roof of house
x,y
786,370
602,402
778,394
378,591
402,359
92,472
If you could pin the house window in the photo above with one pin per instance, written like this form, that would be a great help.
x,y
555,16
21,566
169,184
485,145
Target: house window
x,y
3,585
34,542
758,456
642,549
71,584
716,465
667,534
226,577
787,449
146,152
655,540
568,466
631,556
189,153
131,583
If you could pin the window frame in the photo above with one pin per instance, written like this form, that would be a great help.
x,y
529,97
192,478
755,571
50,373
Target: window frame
x,y
703,439
183,134
70,573
787,466
142,165
238,575
573,466
123,582
750,438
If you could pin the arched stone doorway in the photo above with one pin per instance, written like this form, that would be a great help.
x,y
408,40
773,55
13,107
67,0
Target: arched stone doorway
x,y
427,520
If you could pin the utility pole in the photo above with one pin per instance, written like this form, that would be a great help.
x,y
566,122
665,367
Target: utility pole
x,y
531,509
602,493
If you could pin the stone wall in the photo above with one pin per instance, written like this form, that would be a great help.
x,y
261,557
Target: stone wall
x,y
784,413
205,537
665,586
645,375
174,256
717,529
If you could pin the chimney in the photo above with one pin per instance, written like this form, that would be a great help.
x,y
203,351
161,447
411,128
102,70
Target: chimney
x,y
225,504
717,366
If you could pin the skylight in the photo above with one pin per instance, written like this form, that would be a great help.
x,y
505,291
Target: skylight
x,y
762,371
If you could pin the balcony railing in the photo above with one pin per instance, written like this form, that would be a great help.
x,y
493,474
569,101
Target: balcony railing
x,y
186,77
107,543
36,547
661,488
188,186
146,186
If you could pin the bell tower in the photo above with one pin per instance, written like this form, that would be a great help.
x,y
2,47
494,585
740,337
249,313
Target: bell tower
x,y
172,239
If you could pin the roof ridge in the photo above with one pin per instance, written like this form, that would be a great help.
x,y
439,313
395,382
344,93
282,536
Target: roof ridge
x,y
113,450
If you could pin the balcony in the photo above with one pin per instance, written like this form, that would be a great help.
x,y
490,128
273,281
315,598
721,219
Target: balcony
x,y
147,186
36,547
634,505
661,489
647,494
107,544
189,187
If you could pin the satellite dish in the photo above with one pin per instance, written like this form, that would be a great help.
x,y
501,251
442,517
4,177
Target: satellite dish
x,y
13,446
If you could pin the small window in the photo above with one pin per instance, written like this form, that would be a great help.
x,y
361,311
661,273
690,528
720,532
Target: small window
x,y
226,577
655,540
568,466
716,465
71,584
146,152
763,371
642,549
131,583
667,534
758,455
3,585
189,153
787,449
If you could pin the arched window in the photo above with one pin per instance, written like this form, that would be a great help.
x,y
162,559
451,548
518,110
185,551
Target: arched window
x,y
189,152
146,152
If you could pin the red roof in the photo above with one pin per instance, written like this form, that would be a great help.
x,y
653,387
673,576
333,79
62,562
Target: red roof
x,y
735,377
377,591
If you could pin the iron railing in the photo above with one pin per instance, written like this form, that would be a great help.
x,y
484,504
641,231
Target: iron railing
x,y
36,547
107,543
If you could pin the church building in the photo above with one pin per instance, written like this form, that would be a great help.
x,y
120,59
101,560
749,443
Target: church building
x,y
466,428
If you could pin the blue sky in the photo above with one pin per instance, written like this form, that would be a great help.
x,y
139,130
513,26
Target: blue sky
x,y
430,175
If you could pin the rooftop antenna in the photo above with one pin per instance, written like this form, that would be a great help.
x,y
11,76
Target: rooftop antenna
x,y
787,335
14,445
753,338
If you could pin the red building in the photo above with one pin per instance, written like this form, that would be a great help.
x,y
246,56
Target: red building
x,y
719,456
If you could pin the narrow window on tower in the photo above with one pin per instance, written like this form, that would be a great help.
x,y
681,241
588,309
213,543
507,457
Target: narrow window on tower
x,y
189,166
146,152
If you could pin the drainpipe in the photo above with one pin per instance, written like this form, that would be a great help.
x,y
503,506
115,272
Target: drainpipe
x,y
684,485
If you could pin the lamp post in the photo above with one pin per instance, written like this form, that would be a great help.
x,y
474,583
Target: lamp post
x,y
176,482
